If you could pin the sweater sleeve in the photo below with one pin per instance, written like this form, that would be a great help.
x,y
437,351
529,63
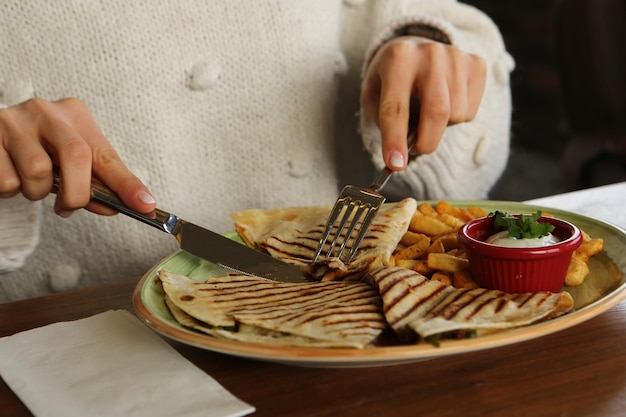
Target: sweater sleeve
x,y
471,156
20,221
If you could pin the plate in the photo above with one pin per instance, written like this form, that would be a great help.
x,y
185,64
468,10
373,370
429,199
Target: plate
x,y
603,288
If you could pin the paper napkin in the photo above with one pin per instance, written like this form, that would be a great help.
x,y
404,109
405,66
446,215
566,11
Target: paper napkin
x,y
109,364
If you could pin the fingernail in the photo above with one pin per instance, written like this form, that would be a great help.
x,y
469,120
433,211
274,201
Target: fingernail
x,y
65,214
396,159
146,198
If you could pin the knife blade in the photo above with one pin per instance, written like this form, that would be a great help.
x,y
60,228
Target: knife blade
x,y
201,242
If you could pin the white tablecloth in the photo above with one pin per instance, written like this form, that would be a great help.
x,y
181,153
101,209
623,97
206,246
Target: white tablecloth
x,y
606,203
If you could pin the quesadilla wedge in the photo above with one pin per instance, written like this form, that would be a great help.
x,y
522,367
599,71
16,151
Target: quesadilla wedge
x,y
292,235
245,334
245,308
412,302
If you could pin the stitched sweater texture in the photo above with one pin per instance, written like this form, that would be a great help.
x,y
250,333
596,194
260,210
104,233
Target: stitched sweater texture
x,y
225,105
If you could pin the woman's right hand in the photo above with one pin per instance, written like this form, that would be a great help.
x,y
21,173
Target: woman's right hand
x,y
37,134
447,82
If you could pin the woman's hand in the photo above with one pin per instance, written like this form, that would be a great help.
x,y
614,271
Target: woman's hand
x,y
38,134
446,82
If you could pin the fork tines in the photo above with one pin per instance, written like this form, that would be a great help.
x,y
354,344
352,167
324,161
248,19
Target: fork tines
x,y
353,212
356,203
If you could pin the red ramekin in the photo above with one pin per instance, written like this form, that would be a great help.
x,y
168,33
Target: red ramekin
x,y
519,270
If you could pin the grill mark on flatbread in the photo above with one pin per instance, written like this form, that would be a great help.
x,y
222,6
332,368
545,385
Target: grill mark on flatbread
x,y
337,313
283,293
543,298
390,279
370,242
484,304
377,229
334,320
317,310
274,338
468,303
449,306
304,248
411,301
255,294
292,235
415,304
525,297
351,316
500,306
287,250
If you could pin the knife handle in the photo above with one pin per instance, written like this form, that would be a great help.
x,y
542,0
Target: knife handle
x,y
101,194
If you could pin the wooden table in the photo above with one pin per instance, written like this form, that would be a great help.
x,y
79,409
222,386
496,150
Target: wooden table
x,y
580,371
576,372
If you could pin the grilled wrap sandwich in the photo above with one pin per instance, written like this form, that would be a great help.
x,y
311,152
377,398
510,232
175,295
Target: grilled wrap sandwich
x,y
292,235
413,303
252,309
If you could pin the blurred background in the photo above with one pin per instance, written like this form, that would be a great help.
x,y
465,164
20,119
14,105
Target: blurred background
x,y
569,94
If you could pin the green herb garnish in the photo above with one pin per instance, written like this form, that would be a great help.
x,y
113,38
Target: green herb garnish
x,y
525,226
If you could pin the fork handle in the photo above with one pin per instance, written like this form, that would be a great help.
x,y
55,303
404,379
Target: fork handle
x,y
101,194
381,179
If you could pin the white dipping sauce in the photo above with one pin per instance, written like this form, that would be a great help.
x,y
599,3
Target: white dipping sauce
x,y
503,239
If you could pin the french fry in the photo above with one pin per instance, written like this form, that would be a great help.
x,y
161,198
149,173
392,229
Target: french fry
x,y
421,267
477,212
591,247
449,240
406,263
443,207
460,253
428,225
411,238
461,213
453,252
446,262
436,247
463,279
451,220
414,251
442,277
577,271
581,256
399,247
466,215
427,210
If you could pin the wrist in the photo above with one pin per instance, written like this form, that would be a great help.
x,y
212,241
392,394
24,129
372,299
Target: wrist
x,y
429,29
424,31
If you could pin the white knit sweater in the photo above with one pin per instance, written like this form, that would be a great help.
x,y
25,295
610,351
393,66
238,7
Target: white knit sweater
x,y
225,105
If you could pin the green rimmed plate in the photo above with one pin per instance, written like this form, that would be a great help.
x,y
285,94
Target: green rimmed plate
x,y
604,288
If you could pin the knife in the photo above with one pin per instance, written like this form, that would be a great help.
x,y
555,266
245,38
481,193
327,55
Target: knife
x,y
200,242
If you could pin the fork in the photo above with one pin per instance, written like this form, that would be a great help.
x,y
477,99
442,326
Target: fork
x,y
355,203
